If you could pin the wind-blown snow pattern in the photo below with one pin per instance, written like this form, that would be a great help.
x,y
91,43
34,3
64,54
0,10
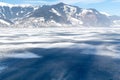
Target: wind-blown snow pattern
x,y
4,22
59,54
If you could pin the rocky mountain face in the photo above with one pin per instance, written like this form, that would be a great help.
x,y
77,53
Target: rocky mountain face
x,y
51,15
10,13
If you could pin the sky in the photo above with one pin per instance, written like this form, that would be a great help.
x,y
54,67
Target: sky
x,y
111,7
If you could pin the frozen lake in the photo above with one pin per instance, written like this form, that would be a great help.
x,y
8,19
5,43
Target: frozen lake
x,y
60,54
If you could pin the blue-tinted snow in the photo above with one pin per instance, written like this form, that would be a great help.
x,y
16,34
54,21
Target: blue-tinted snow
x,y
60,54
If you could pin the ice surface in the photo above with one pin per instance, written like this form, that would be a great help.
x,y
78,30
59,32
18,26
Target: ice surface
x,y
103,40
60,54
23,55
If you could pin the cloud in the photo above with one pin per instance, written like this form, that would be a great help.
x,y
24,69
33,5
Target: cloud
x,y
81,1
65,1
116,0
37,2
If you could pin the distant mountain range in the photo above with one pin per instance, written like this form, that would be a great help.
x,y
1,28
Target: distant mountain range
x,y
53,15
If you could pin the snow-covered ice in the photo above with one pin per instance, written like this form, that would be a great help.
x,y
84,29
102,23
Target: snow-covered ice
x,y
59,53
101,39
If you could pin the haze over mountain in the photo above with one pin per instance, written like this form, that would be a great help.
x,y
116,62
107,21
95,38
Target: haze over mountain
x,y
60,14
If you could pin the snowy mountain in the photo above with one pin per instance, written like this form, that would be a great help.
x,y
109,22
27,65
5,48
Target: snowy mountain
x,y
4,23
64,13
115,20
11,12
51,15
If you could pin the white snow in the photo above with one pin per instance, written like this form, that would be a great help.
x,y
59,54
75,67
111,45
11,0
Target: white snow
x,y
4,22
15,5
105,13
75,21
85,39
23,55
56,12
69,10
116,23
84,11
17,14
5,4
22,12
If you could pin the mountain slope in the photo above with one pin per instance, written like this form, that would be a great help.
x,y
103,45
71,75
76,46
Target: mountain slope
x,y
53,15
64,13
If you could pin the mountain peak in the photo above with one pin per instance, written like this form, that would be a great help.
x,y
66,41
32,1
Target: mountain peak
x,y
60,13
14,5
5,4
61,3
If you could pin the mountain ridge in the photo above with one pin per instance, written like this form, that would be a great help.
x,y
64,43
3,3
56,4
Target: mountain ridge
x,y
54,15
